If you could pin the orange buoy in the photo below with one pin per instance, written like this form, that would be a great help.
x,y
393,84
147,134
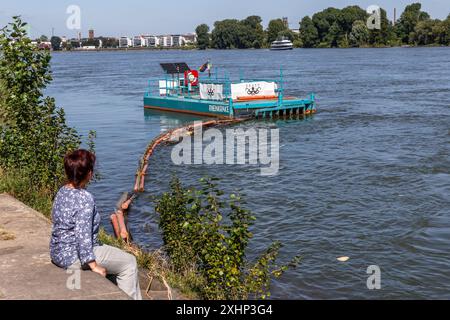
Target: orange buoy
x,y
142,185
122,227
115,225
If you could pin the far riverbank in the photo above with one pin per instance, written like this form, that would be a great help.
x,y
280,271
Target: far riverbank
x,y
251,49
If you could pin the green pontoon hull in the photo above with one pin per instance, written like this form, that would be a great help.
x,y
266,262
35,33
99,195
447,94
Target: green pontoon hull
x,y
288,106
186,105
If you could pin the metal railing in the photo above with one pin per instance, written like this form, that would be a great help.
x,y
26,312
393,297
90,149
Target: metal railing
x,y
174,85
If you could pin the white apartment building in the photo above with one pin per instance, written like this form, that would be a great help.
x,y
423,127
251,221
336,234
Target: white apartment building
x,y
166,41
190,38
178,40
125,42
138,41
151,41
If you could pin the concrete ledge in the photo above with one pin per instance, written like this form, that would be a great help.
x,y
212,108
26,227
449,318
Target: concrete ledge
x,y
26,270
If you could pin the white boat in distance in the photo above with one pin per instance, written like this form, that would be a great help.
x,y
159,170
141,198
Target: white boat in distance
x,y
282,44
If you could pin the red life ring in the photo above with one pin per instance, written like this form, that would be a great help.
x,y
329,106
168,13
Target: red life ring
x,y
191,77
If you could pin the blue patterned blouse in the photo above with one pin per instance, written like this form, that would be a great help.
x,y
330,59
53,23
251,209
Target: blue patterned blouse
x,y
76,224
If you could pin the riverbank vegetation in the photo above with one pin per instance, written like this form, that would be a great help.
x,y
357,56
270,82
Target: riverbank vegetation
x,y
34,136
207,234
205,240
330,28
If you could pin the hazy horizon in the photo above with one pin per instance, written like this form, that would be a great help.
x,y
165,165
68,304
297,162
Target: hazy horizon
x,y
161,17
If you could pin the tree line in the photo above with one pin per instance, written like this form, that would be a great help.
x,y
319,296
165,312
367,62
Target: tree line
x,y
330,28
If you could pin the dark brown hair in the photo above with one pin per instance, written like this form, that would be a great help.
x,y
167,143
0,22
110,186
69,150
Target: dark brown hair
x,y
78,165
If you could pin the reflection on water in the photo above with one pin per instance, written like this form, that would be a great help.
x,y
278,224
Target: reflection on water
x,y
169,120
367,177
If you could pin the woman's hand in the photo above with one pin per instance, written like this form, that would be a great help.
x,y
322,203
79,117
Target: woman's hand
x,y
100,270
97,269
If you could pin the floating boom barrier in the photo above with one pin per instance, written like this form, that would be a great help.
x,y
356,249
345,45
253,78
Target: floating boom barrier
x,y
118,219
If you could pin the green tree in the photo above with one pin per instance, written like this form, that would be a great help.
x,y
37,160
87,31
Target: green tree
x,y
35,136
408,21
323,21
384,36
245,37
109,42
43,38
205,232
2,104
298,43
56,43
349,15
66,46
308,33
203,38
334,26
253,25
225,34
426,32
231,33
444,35
275,27
334,36
359,36
287,34
91,42
441,31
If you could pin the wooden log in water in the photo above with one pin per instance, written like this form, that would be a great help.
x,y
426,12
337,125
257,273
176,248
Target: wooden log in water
x,y
118,219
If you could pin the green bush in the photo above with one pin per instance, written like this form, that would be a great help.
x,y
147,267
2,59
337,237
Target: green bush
x,y
18,185
205,233
34,136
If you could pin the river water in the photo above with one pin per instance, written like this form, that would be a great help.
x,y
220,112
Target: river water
x,y
367,177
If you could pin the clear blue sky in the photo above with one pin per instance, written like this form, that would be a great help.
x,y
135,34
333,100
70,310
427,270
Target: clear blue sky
x,y
132,17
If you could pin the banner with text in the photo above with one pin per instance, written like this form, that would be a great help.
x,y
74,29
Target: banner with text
x,y
247,90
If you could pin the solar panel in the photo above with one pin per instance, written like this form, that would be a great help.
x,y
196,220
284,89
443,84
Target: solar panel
x,y
175,68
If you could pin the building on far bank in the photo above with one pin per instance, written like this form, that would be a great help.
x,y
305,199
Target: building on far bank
x,y
43,45
165,41
190,38
88,48
178,40
152,41
125,42
138,41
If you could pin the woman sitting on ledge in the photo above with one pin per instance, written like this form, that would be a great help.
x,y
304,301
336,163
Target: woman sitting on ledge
x,y
76,222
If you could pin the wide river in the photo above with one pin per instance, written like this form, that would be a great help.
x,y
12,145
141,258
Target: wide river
x,y
367,177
